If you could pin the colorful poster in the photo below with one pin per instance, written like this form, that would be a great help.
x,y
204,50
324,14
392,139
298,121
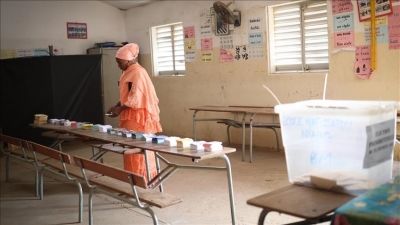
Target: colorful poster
x,y
255,25
256,39
362,67
382,8
205,30
190,44
344,22
206,44
190,56
226,42
394,28
381,34
189,32
207,56
343,39
225,56
341,6
241,52
256,52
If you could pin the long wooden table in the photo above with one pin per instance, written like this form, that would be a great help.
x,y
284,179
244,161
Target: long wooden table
x,y
245,110
170,169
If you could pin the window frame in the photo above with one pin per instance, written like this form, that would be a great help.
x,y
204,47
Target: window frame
x,y
154,52
291,68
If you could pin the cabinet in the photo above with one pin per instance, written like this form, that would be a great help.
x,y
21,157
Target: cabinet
x,y
110,74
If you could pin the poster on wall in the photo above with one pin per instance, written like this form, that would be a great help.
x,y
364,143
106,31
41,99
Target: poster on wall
x,y
363,62
77,30
394,29
341,6
382,7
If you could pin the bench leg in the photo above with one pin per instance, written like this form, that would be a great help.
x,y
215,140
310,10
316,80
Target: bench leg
x,y
80,200
277,139
229,134
41,183
8,168
36,180
91,206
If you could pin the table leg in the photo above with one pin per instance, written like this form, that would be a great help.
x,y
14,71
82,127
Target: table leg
x,y
262,216
230,186
194,125
251,137
243,136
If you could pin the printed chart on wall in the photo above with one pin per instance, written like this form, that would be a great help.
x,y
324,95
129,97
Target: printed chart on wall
x,y
226,49
255,48
363,62
394,28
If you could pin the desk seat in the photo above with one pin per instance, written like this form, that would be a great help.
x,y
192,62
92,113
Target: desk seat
x,y
311,204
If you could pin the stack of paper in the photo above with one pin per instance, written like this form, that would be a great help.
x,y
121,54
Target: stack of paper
x,y
137,135
159,139
213,146
197,145
183,142
102,128
127,134
148,137
171,141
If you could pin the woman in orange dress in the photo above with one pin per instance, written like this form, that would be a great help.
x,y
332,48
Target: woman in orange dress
x,y
137,107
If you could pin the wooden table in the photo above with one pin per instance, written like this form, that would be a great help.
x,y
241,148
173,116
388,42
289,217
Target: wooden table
x,y
311,204
170,169
245,110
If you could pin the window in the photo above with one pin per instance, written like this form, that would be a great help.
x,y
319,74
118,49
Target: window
x,y
168,50
298,37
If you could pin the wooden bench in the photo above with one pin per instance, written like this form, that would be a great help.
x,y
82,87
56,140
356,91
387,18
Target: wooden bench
x,y
60,137
116,182
59,164
22,152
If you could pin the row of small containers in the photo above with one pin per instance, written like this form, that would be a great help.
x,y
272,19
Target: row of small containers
x,y
186,143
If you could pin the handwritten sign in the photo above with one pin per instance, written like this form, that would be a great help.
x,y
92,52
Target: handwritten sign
x,y
206,44
344,22
225,56
205,30
190,56
189,32
241,52
207,56
343,39
190,44
341,6
363,62
381,34
378,22
394,28
255,39
255,25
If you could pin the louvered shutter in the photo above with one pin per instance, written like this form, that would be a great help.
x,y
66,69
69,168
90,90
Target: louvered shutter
x,y
170,50
300,36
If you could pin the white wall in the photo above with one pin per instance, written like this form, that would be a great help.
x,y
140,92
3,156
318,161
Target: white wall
x,y
38,24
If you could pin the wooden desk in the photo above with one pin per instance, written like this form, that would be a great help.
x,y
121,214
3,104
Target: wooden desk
x,y
171,168
245,110
308,203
